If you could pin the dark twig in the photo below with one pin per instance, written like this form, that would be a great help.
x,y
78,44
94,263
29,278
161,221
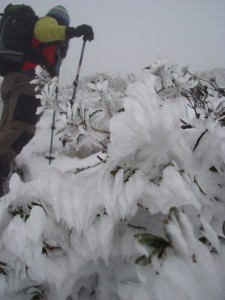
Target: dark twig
x,y
186,125
137,227
199,139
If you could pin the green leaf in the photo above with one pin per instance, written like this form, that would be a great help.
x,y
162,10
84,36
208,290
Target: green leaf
x,y
152,241
213,169
204,240
115,171
26,216
36,204
128,173
143,260
173,212
44,251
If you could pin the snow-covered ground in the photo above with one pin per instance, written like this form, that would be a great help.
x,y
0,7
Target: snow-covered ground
x,y
132,207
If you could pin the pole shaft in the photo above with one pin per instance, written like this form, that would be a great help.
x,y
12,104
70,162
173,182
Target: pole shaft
x,y
75,83
52,134
50,157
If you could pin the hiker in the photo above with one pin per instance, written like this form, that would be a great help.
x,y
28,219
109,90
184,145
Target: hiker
x,y
50,41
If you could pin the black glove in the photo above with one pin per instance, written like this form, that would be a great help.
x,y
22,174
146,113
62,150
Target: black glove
x,y
83,30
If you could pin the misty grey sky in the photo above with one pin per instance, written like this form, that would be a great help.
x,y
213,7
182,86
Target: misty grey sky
x,y
132,34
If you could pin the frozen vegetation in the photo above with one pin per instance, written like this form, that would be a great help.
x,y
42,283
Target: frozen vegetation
x,y
129,203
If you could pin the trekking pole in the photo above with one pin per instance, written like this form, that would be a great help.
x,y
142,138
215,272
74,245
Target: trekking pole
x,y
50,157
75,83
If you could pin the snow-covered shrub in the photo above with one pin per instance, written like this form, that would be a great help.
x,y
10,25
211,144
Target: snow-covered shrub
x,y
75,231
81,124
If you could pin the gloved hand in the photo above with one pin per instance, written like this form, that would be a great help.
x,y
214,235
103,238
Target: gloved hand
x,y
83,30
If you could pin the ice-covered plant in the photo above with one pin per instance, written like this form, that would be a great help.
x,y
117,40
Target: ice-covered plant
x,y
199,92
76,120
69,234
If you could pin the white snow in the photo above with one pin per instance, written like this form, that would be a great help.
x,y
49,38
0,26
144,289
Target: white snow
x,y
73,237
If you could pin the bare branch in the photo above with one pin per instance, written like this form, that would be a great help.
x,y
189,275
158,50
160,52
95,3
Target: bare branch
x,y
199,139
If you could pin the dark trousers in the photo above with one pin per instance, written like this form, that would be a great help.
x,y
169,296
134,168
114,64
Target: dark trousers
x,y
18,120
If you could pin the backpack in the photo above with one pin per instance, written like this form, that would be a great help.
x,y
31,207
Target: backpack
x,y
16,31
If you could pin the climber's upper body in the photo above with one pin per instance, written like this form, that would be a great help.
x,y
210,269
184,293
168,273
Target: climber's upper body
x,y
50,40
